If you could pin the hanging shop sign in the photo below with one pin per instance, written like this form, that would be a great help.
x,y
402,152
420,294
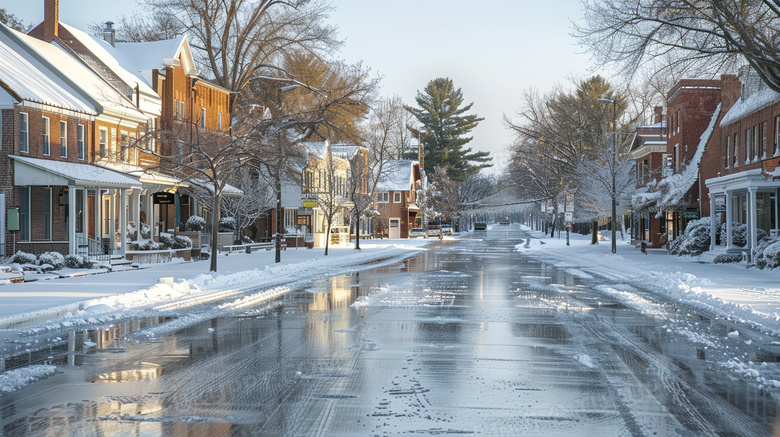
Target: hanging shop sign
x,y
163,198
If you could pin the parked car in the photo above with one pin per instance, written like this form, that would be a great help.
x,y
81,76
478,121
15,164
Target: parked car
x,y
417,232
479,226
446,229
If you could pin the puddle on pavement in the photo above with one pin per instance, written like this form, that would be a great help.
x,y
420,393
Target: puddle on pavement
x,y
312,337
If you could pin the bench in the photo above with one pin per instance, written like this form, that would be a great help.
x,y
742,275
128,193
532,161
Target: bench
x,y
251,247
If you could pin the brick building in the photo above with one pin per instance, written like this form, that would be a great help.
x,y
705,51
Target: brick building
x,y
694,107
745,188
648,149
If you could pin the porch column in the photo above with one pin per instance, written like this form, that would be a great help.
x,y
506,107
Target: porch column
x,y
150,213
72,243
123,220
85,213
135,200
98,218
752,220
712,221
729,213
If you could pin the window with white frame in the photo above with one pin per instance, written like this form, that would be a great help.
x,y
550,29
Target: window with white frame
x,y
24,132
777,135
24,214
182,111
383,197
124,144
756,143
103,142
175,109
763,140
397,197
203,117
81,136
748,145
64,139
736,151
112,145
47,213
45,129
728,151
219,121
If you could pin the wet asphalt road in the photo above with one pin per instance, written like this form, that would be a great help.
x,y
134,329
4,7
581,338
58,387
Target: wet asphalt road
x,y
468,338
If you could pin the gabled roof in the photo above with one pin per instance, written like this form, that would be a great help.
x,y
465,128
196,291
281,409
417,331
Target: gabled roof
x,y
111,58
57,63
26,76
141,58
346,151
397,175
317,148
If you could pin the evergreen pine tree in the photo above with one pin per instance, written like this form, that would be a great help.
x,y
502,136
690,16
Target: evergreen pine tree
x,y
445,126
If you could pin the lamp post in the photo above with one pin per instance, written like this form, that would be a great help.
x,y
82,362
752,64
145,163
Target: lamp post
x,y
613,169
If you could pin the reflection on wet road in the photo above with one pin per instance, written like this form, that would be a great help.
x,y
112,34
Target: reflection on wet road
x,y
468,338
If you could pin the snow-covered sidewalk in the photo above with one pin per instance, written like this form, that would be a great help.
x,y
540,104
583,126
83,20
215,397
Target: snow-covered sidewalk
x,y
45,300
747,295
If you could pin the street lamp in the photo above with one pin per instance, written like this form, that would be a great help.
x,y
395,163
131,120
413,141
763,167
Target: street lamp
x,y
613,169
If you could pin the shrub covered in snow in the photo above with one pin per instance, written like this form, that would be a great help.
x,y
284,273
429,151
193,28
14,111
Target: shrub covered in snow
x,y
727,258
78,262
169,241
739,234
695,239
132,231
53,259
195,223
227,224
767,253
23,258
149,245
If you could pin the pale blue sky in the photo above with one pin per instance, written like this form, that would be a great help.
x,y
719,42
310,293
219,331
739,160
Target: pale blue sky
x,y
493,50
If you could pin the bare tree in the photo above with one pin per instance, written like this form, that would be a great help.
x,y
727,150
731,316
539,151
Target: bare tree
x,y
205,159
257,198
237,41
559,130
331,194
707,35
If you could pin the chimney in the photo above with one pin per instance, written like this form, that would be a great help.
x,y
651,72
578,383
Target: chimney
x,y
658,114
51,20
109,34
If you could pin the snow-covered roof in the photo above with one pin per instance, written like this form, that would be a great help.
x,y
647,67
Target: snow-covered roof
x,y
127,71
38,172
346,151
73,71
140,58
145,176
672,188
398,175
26,77
753,103
317,148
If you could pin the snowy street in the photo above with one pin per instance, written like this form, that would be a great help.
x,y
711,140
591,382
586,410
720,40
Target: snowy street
x,y
471,336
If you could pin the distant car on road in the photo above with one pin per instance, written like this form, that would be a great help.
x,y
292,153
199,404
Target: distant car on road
x,y
504,222
479,226
417,232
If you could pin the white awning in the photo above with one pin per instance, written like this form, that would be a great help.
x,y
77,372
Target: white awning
x,y
50,172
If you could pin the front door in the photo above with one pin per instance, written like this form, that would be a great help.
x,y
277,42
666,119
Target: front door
x,y
395,228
